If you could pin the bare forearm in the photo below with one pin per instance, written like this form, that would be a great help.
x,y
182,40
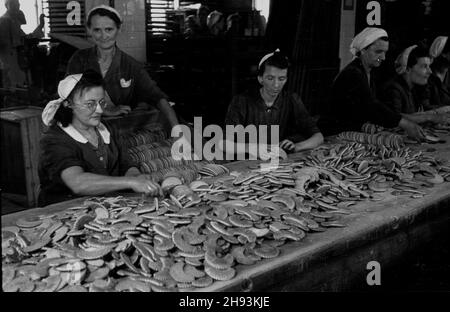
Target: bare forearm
x,y
95,184
315,140
416,117
428,116
167,110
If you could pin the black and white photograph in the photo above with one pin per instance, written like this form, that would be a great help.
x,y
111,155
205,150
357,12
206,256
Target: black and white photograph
x,y
225,151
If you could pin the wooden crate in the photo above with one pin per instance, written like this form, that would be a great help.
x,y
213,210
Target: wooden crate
x,y
21,130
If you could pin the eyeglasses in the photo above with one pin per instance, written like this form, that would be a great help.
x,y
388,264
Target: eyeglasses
x,y
92,105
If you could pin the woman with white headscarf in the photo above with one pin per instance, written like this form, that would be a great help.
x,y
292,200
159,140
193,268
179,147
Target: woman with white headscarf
x,y
81,155
127,83
404,93
353,101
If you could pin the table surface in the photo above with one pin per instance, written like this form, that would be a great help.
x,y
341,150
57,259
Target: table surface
x,y
369,221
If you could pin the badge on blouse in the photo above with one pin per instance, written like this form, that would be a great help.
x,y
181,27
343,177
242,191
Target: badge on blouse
x,y
124,83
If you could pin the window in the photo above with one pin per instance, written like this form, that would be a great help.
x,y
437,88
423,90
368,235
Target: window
x,y
31,9
163,19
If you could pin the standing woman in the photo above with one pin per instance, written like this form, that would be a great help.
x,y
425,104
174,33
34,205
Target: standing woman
x,y
127,84
79,154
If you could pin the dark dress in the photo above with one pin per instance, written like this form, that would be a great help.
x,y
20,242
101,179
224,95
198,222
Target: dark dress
x,y
126,81
399,97
439,92
288,112
59,151
353,102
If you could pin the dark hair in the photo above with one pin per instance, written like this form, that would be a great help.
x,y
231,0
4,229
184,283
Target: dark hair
x,y
89,80
278,60
446,48
203,8
103,12
416,54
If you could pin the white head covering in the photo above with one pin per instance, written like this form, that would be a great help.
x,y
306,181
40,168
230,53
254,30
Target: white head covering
x,y
401,63
365,38
266,57
65,87
437,46
108,8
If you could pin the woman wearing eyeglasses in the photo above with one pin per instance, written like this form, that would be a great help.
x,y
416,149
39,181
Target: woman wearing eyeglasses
x,y
80,155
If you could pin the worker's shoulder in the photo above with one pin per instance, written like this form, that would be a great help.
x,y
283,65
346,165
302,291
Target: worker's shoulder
x,y
249,95
128,60
351,71
5,18
396,84
83,53
54,135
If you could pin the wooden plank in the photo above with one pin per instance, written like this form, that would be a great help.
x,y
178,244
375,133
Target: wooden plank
x,y
12,169
22,127
34,136
26,145
349,270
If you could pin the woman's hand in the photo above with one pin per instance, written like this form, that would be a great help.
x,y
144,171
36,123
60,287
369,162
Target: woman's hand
x,y
287,145
144,184
274,153
412,129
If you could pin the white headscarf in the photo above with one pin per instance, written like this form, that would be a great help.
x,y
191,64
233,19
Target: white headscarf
x,y
401,63
437,46
65,87
266,57
365,38
108,8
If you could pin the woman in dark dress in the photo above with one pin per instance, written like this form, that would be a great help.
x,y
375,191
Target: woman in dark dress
x,y
80,155
128,86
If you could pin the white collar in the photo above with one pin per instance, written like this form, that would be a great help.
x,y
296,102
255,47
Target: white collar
x,y
77,136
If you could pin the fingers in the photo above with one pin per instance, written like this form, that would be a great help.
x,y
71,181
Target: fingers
x,y
153,189
422,133
287,145
419,133
283,155
144,184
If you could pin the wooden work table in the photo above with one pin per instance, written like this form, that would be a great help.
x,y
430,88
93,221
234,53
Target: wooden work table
x,y
336,259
